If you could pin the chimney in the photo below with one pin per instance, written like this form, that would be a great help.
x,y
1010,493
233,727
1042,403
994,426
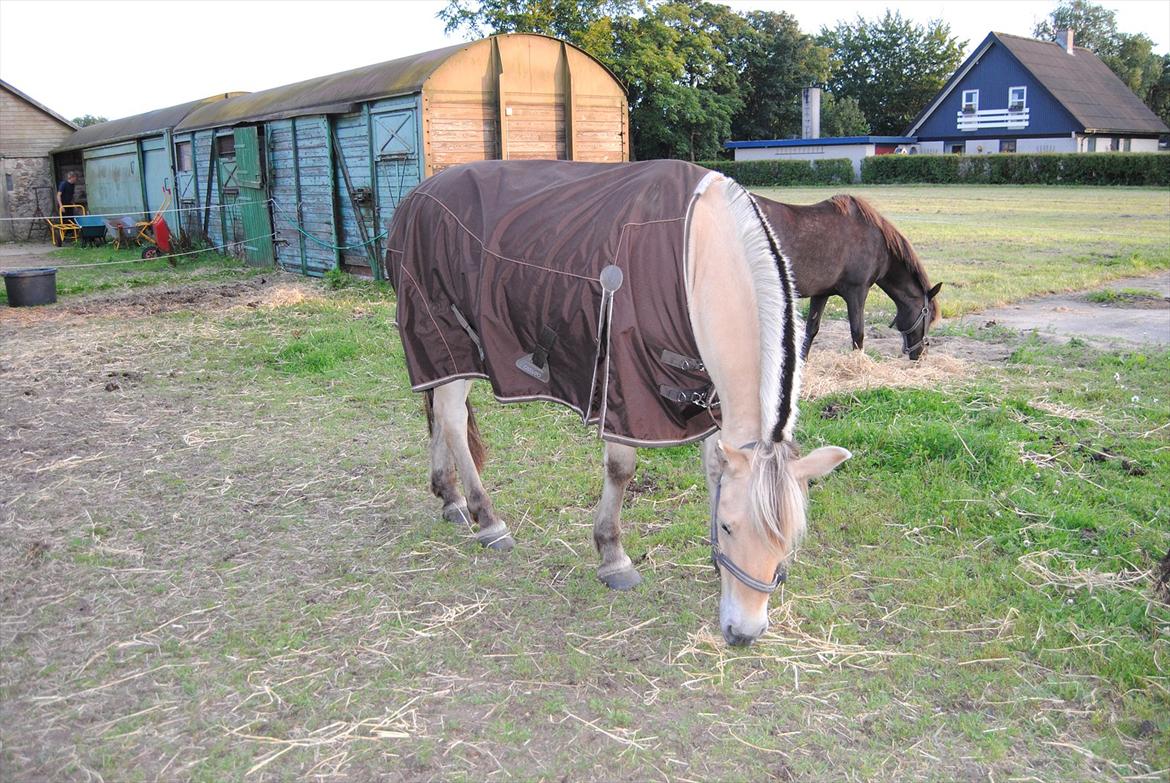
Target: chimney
x,y
1065,39
810,113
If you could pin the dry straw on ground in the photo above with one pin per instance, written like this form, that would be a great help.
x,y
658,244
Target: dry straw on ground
x,y
828,372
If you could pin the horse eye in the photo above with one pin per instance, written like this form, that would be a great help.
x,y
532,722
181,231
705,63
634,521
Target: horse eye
x,y
726,529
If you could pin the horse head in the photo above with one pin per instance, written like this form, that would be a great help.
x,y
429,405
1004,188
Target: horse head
x,y
914,319
757,521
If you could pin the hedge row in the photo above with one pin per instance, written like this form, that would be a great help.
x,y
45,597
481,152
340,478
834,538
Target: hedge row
x,y
757,173
1114,168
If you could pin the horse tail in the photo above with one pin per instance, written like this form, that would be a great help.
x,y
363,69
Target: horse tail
x,y
475,442
429,407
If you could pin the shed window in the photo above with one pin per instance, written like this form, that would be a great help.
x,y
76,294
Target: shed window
x,y
1007,145
1017,98
225,146
1125,145
970,101
183,156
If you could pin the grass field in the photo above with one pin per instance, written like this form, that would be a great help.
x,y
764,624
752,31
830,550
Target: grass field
x,y
990,245
219,559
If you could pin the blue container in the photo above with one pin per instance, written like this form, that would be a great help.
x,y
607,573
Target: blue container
x,y
28,287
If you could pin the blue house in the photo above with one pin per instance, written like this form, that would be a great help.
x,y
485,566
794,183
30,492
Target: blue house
x,y
1018,94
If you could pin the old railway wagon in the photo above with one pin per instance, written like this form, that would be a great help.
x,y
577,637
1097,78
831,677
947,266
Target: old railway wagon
x,y
316,168
125,164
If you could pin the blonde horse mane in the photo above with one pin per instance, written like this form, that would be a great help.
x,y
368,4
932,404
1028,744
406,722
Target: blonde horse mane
x,y
777,499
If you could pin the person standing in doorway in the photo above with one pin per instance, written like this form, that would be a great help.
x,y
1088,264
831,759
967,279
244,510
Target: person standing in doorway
x,y
65,193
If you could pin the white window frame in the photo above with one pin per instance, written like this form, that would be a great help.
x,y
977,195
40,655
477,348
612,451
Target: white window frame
x,y
1023,98
973,102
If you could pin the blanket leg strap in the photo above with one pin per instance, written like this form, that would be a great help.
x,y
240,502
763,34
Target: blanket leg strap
x,y
536,363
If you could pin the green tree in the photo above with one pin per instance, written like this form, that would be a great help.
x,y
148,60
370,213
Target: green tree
x,y
86,120
842,117
584,23
774,60
891,66
1159,95
1129,55
1094,26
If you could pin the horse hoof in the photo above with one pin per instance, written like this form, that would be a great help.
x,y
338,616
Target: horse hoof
x,y
498,539
457,514
625,579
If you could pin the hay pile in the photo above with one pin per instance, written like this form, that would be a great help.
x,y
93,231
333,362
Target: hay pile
x,y
827,372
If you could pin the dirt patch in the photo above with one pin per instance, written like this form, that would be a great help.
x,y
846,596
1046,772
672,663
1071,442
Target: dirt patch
x,y
1125,320
1162,580
271,290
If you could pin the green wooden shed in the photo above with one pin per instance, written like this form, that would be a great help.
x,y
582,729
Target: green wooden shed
x,y
310,173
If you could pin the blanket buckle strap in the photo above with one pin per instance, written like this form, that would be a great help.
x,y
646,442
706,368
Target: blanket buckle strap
x,y
536,363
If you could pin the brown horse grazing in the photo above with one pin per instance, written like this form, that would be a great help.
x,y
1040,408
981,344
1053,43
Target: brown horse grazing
x,y
637,294
843,246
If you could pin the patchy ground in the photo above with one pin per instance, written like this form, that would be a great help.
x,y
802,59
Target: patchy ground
x,y
219,561
1134,319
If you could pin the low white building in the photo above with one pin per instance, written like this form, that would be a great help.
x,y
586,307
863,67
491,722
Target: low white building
x,y
855,148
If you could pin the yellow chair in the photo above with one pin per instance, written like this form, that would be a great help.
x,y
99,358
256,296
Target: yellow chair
x,y
64,226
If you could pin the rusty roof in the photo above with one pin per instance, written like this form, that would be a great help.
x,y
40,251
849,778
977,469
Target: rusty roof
x,y
325,94
130,128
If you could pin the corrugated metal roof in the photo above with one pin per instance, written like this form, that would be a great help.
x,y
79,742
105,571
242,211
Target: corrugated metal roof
x,y
129,128
325,94
1084,85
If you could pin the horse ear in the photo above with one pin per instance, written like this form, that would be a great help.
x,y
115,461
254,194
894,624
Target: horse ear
x,y
932,293
820,462
735,461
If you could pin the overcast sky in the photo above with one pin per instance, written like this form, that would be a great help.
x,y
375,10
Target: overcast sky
x,y
115,58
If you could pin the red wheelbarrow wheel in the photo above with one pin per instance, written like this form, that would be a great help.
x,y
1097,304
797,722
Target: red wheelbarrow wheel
x,y
150,252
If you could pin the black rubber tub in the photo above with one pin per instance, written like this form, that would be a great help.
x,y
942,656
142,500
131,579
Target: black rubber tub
x,y
27,287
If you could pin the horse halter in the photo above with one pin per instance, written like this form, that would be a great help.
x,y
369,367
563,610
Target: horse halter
x,y
718,559
923,315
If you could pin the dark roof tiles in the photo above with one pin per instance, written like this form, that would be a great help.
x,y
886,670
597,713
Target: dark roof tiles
x,y
1087,88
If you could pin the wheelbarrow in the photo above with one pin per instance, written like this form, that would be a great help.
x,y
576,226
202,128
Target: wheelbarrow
x,y
92,230
153,235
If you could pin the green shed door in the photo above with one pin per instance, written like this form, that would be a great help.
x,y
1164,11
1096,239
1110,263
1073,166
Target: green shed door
x,y
253,198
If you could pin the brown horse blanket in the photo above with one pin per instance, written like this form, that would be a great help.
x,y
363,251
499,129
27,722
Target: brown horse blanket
x,y
498,267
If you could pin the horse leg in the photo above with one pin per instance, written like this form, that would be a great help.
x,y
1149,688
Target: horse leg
x,y
855,302
616,570
444,480
812,325
451,418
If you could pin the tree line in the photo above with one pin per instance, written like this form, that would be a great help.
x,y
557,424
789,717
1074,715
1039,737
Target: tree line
x,y
699,73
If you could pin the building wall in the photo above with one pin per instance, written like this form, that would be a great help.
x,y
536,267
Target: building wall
x,y
27,190
854,153
26,136
993,75
519,97
1055,144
